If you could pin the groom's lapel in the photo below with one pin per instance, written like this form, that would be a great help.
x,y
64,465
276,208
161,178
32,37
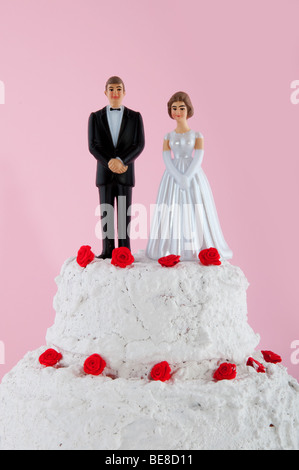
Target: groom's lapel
x,y
106,125
123,125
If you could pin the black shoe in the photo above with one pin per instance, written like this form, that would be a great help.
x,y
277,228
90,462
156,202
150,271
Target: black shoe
x,y
104,255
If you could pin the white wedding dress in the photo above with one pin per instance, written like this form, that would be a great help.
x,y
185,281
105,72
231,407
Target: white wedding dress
x,y
185,219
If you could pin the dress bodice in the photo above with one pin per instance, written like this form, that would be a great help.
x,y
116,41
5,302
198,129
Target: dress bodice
x,y
182,145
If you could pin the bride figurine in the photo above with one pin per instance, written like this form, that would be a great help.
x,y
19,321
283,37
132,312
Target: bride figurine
x,y
185,220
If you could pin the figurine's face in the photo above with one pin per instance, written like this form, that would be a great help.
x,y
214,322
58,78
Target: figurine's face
x,y
179,111
115,94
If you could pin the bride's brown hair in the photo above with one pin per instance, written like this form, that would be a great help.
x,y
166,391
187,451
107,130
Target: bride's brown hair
x,y
181,96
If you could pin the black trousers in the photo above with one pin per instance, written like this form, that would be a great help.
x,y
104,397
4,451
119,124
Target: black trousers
x,y
122,195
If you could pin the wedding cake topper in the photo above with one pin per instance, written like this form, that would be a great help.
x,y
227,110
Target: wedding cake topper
x,y
185,219
116,139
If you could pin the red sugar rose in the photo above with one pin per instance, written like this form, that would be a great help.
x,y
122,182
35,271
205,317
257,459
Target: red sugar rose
x,y
169,261
256,365
270,356
122,257
209,256
50,358
85,256
161,371
225,371
94,365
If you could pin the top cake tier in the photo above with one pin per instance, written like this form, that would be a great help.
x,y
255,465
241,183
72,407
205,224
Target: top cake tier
x,y
146,313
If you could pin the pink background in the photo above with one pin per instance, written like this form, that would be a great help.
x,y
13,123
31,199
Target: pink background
x,y
236,59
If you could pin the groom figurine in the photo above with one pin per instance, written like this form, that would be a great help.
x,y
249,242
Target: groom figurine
x,y
116,139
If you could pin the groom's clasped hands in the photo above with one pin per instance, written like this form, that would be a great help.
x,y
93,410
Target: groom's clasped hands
x,y
116,166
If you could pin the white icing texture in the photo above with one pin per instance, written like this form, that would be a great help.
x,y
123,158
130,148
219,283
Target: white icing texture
x,y
147,313
62,408
192,316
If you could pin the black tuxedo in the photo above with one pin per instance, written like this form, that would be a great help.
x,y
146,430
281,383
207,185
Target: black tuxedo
x,y
129,146
111,185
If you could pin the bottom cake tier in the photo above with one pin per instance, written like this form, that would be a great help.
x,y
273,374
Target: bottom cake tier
x,y
62,407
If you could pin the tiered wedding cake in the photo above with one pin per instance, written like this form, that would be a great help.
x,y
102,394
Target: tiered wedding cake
x,y
171,346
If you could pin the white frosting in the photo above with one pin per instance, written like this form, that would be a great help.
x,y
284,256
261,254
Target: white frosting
x,y
147,313
192,316
48,408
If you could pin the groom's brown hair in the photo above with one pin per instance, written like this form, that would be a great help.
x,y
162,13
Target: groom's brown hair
x,y
114,80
